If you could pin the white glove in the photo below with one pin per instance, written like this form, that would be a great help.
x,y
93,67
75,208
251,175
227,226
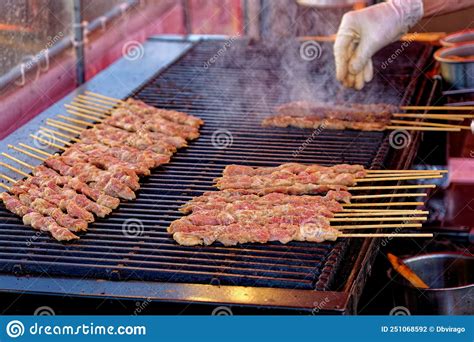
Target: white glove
x,y
362,33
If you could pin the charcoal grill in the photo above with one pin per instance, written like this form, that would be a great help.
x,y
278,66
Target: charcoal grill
x,y
232,93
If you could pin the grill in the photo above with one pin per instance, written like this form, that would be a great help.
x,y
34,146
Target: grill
x,y
232,92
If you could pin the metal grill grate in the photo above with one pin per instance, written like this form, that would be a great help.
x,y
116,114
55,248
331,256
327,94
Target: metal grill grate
x,y
232,95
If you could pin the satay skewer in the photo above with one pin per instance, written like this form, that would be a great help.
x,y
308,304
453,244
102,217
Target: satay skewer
x,y
107,98
55,125
382,213
449,117
419,128
49,143
437,108
52,131
90,104
410,171
428,124
393,218
383,204
76,121
14,169
382,235
353,197
6,187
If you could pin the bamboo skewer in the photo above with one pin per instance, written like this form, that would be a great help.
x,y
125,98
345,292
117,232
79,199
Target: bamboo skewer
x,y
437,107
11,180
84,101
21,162
56,138
64,124
76,121
35,149
14,169
384,225
70,137
390,195
70,108
26,152
70,130
402,174
378,213
4,186
391,235
392,187
91,106
386,204
108,98
395,218
432,124
399,178
96,100
418,128
49,143
409,171
89,109
453,117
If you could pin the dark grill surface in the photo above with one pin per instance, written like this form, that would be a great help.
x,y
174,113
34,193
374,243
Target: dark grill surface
x,y
232,92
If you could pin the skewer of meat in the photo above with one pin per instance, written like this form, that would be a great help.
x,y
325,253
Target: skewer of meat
x,y
143,142
365,117
123,119
296,168
63,197
103,182
223,199
74,183
35,219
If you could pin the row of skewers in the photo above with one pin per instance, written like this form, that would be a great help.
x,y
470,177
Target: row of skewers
x,y
284,203
109,143
367,117
98,167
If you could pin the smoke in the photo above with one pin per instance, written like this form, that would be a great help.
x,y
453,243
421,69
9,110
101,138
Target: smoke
x,y
312,77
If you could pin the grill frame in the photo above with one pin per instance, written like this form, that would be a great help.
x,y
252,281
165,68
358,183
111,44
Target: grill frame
x,y
335,302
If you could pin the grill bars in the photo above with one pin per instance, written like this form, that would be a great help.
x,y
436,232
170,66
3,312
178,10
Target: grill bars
x,y
232,96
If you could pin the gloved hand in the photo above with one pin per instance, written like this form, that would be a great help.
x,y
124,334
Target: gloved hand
x,y
362,33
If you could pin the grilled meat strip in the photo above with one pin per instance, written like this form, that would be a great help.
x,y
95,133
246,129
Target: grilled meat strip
x,y
225,199
143,109
125,119
142,139
35,219
103,182
74,183
49,190
296,168
232,218
303,114
237,234
287,183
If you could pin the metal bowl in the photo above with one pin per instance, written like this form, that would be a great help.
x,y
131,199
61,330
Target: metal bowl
x,y
457,65
460,37
450,277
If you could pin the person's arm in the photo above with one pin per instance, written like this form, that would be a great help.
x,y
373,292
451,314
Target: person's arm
x,y
362,33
